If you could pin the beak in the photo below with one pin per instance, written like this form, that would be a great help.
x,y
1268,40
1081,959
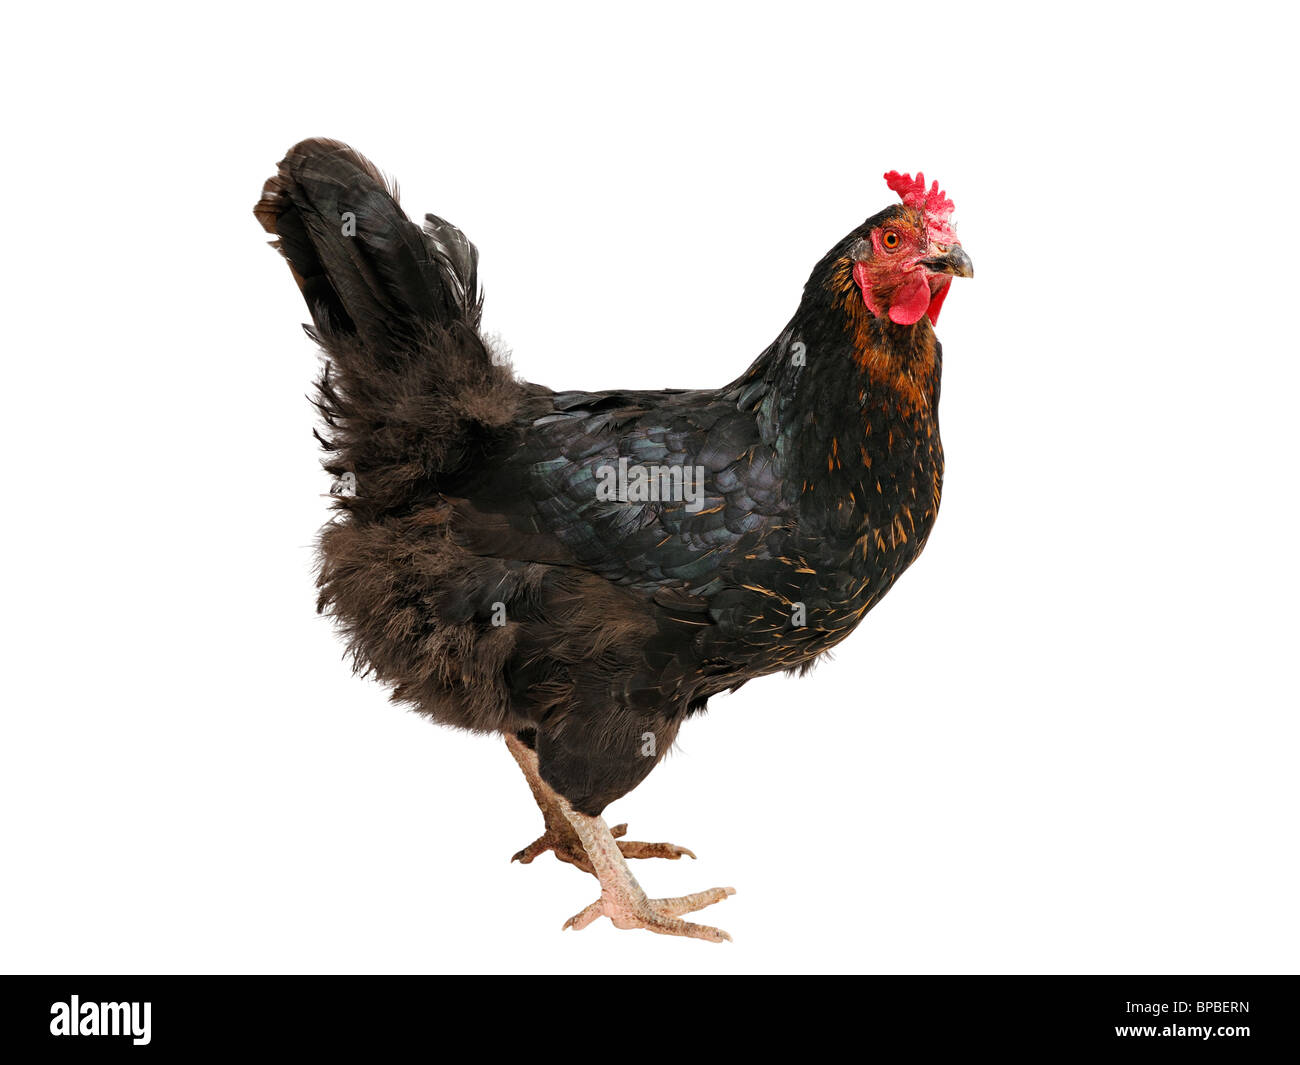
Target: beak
x,y
951,260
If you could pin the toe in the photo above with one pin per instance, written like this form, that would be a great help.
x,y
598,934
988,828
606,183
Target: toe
x,y
565,850
580,920
664,925
539,846
635,849
704,931
690,903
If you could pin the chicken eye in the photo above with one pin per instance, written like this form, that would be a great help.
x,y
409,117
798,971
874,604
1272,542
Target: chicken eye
x,y
890,239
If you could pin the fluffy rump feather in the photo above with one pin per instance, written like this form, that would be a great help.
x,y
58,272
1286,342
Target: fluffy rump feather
x,y
411,424
417,612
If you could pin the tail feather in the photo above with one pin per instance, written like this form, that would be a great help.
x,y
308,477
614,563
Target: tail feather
x,y
458,259
364,268
410,393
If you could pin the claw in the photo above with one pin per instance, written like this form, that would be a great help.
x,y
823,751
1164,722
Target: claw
x,y
538,847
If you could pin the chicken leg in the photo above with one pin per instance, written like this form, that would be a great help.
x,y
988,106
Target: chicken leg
x,y
622,899
559,836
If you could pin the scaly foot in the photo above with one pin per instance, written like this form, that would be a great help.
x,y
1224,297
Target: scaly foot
x,y
656,915
621,898
590,844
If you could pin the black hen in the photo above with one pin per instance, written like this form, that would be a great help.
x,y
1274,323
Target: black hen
x,y
580,571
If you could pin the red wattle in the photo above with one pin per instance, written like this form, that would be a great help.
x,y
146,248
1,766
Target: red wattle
x,y
936,301
911,301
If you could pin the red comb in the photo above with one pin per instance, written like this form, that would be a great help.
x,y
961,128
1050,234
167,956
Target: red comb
x,y
934,202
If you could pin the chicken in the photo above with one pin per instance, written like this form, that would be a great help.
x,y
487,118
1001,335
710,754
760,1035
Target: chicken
x,y
578,571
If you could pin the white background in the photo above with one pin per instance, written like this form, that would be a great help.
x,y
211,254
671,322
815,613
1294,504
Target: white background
x,y
1066,743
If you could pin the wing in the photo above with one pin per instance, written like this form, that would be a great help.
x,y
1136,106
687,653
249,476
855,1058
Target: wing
x,y
714,491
